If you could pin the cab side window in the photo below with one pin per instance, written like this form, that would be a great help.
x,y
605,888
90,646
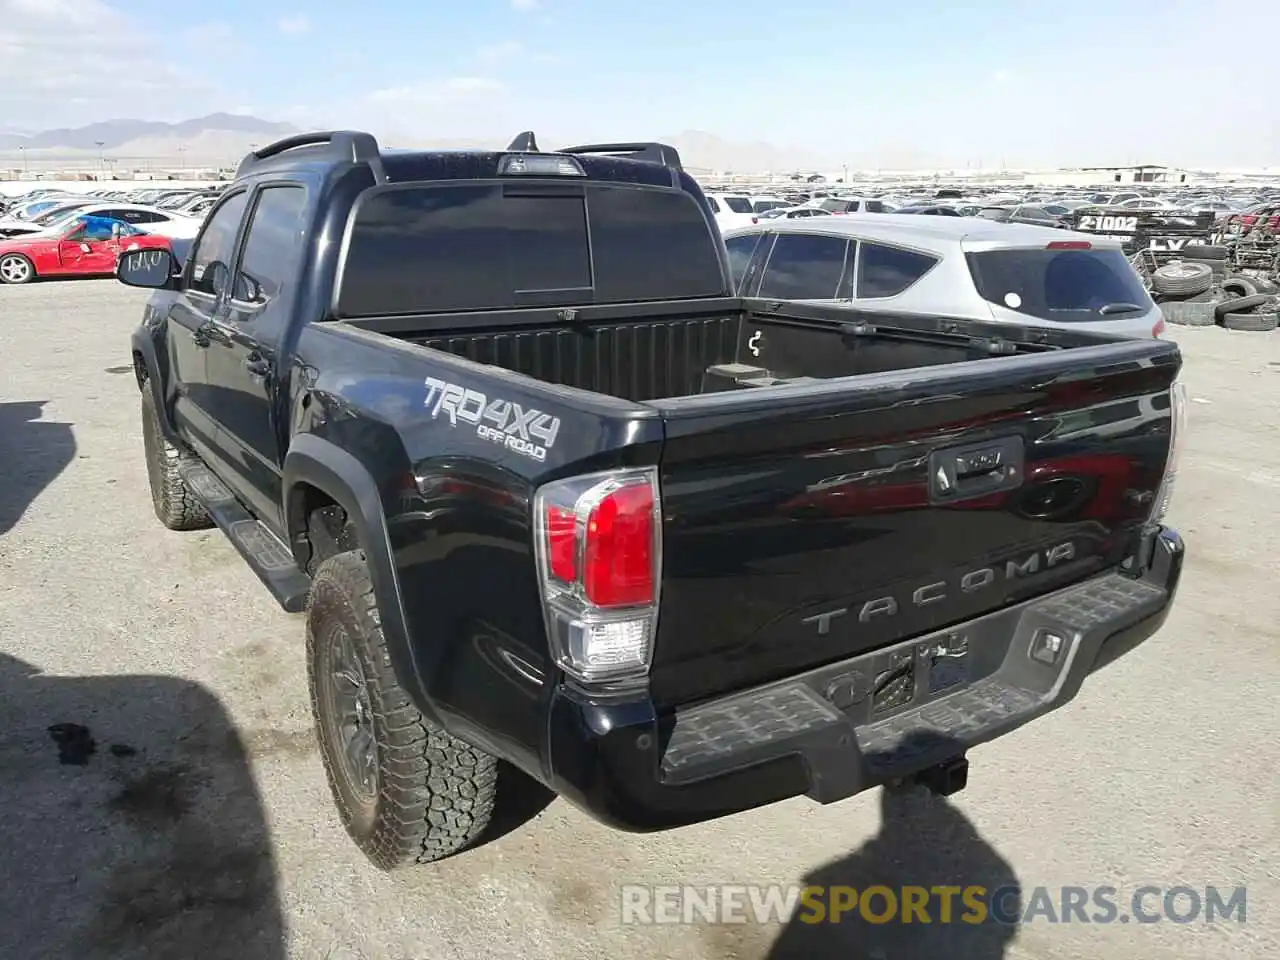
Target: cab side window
x,y
211,257
273,245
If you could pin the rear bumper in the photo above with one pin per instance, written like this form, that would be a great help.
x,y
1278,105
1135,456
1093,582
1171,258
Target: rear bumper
x,y
833,732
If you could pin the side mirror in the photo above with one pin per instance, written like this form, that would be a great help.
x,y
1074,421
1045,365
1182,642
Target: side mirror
x,y
153,269
117,230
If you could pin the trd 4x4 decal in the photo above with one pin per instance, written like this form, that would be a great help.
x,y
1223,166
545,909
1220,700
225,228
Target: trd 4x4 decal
x,y
528,432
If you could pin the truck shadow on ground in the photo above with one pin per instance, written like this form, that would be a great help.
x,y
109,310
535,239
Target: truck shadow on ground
x,y
132,825
33,452
924,841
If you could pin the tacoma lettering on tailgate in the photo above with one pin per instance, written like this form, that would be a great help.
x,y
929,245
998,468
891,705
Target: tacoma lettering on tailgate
x,y
530,433
974,580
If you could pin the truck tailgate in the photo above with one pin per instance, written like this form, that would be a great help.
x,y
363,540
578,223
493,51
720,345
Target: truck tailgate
x,y
810,523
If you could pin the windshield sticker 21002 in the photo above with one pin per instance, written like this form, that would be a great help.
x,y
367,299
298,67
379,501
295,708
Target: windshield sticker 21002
x,y
530,433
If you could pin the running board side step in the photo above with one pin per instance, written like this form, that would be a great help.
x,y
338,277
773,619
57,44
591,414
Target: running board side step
x,y
266,555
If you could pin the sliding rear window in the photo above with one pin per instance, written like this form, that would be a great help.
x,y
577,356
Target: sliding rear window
x,y
1062,285
493,246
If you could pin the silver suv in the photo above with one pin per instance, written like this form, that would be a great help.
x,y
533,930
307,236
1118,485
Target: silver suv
x,y
961,267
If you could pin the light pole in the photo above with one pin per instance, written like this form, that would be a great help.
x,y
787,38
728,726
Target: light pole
x,y
22,152
101,162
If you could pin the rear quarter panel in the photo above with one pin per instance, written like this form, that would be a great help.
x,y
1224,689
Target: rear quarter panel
x,y
458,512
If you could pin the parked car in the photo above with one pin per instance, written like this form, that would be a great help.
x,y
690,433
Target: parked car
x,y
17,220
1029,213
592,515
146,219
843,205
959,267
929,210
86,247
730,210
790,213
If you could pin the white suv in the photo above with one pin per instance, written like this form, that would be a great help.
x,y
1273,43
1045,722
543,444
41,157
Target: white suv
x,y
958,267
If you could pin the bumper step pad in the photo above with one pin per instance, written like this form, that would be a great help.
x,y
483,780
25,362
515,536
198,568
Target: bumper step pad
x,y
833,718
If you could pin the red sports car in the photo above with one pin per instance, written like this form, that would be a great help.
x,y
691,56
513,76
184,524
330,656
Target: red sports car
x,y
87,247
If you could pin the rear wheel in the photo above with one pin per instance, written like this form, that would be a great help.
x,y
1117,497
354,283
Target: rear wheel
x,y
15,268
406,791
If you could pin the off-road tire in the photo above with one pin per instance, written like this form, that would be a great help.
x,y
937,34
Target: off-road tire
x,y
1254,322
1182,278
175,505
434,794
1188,313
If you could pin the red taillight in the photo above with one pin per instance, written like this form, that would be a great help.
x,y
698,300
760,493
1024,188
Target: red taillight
x,y
617,567
1069,245
1158,329
755,219
598,542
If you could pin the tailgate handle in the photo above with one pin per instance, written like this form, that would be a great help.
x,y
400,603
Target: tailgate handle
x,y
976,470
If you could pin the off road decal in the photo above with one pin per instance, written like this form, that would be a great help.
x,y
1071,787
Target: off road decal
x,y
1101,224
530,433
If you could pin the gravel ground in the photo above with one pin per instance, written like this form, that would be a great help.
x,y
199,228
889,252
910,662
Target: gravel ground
x,y
201,826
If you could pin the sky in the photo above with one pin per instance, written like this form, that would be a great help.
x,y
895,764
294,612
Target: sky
x,y
1180,82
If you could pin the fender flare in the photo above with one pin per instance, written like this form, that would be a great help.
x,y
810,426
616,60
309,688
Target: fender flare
x,y
145,347
339,475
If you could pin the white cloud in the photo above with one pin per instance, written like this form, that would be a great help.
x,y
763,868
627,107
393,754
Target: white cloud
x,y
525,4
496,53
1003,76
56,56
440,91
294,26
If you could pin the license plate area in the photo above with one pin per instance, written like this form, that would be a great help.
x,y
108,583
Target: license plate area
x,y
911,675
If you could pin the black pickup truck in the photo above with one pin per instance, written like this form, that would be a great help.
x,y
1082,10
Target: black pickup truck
x,y
554,502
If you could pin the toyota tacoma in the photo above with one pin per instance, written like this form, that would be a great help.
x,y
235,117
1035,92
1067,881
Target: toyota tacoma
x,y
552,500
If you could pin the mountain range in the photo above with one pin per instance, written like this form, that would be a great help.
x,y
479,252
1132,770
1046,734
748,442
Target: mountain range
x,y
221,139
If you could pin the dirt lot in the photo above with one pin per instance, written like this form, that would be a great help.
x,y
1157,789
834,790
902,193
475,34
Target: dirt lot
x,y
201,826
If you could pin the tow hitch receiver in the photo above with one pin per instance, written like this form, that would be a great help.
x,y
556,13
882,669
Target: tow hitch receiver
x,y
944,779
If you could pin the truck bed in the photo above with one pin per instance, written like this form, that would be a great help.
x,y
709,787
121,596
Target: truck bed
x,y
739,344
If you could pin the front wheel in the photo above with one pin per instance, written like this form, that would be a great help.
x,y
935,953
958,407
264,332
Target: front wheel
x,y
175,505
406,791
15,268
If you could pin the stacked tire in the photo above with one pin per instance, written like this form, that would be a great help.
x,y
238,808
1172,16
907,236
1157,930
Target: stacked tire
x,y
1198,293
1211,255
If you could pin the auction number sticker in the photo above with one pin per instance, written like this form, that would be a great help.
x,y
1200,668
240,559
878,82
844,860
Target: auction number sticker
x,y
1101,223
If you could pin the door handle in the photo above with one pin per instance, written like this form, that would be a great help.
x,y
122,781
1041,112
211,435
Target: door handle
x,y
257,366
